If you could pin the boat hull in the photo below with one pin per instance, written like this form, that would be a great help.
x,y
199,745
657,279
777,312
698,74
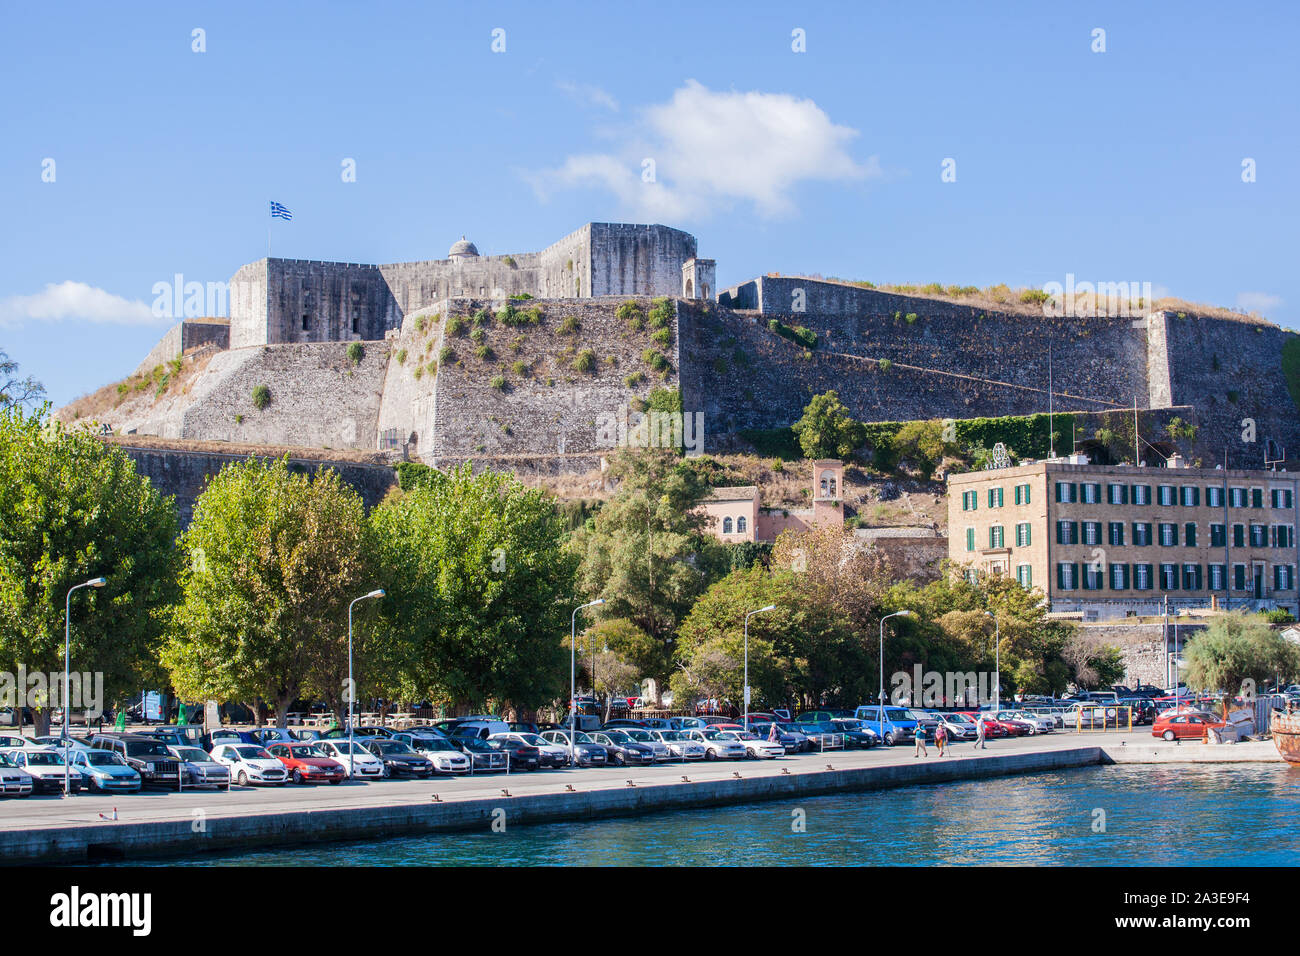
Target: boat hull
x,y
1285,729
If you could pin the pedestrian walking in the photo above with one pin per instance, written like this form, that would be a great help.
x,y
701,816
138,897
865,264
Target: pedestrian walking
x,y
920,743
941,738
979,733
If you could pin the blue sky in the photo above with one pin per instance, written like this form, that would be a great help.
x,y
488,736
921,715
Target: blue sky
x,y
1116,165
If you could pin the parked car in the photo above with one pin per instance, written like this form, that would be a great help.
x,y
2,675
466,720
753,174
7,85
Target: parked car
x,y
200,769
480,726
958,726
106,772
792,740
1143,709
176,735
148,756
20,742
355,759
445,756
522,756
14,781
681,746
623,723
896,725
651,739
273,735
1186,726
307,763
549,754
586,752
995,728
250,764
368,732
1032,723
482,755
689,723
57,742
47,770
756,747
307,733
821,736
858,734
717,746
625,750
398,759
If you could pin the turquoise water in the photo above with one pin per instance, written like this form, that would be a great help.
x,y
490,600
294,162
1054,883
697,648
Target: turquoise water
x,y
1205,815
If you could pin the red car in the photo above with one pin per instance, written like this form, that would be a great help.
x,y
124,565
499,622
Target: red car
x,y
1185,726
993,728
307,763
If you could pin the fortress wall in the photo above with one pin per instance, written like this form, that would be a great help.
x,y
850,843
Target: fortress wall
x,y
417,285
409,401
553,409
248,305
183,336
337,296
1232,370
183,473
638,260
564,267
318,398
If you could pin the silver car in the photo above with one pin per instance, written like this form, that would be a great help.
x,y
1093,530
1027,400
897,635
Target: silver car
x,y
200,769
717,746
586,752
652,740
680,745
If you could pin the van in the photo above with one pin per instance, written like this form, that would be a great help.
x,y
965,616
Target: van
x,y
898,725
480,727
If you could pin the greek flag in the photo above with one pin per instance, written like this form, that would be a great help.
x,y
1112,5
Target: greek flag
x,y
280,212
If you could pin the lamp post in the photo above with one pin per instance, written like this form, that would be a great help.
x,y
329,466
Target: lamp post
x,y
770,607
1177,614
573,674
997,662
352,689
67,667
903,613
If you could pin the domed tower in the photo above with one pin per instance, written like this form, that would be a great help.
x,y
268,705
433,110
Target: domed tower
x,y
462,249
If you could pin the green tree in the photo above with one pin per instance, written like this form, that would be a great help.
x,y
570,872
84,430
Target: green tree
x,y
827,430
646,552
72,508
922,443
26,392
480,589
275,556
1235,648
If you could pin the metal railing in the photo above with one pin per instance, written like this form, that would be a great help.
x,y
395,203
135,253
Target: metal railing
x,y
1111,718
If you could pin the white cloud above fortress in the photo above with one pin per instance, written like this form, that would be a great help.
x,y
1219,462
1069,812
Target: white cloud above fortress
x,y
712,150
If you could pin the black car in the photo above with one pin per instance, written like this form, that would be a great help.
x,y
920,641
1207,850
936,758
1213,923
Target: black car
x,y
482,755
1143,709
399,760
622,749
855,733
148,756
522,756
341,733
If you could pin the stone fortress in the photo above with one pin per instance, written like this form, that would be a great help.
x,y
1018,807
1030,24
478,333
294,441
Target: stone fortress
x,y
514,360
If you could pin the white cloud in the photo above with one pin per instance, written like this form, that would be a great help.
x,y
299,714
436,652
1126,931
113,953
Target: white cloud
x,y
72,301
588,95
712,149
1258,301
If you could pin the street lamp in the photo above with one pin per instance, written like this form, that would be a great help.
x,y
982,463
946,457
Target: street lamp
x,y
770,607
1177,614
573,673
903,613
67,666
997,662
352,690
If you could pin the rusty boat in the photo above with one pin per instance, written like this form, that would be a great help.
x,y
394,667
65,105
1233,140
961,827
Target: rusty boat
x,y
1285,729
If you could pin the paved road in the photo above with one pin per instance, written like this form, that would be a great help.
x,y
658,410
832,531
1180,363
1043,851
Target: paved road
x,y
150,805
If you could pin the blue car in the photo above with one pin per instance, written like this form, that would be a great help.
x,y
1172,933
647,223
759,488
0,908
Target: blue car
x,y
897,727
105,771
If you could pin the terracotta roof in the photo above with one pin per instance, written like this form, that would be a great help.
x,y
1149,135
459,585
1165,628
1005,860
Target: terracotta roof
x,y
733,494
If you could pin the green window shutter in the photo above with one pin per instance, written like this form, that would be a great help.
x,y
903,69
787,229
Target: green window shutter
x,y
970,539
1189,535
1257,497
1028,534
1027,496
1074,532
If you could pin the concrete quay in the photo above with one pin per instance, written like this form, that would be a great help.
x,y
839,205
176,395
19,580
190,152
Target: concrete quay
x,y
164,823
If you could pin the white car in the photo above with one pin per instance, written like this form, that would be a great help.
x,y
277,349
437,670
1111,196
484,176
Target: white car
x,y
357,762
446,756
1038,723
18,742
56,742
756,746
959,726
681,746
14,781
47,769
716,746
251,765
558,754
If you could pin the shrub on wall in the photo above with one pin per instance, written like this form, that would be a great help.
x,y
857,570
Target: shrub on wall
x,y
401,356
656,360
661,312
356,352
1290,368
798,334
585,362
455,326
632,313
484,352
569,326
446,354
261,397
499,382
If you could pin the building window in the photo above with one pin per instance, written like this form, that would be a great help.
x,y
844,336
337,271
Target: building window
x,y
1189,534
1238,535
970,539
356,321
1022,535
1067,532
306,322
1024,574
1092,532
1281,497
1218,536
1067,492
1237,497
1239,577
828,484
1191,577
1141,494
1165,496
995,497
1258,536
970,500
1119,577
1214,496
1090,492
1067,576
1191,496
995,536
1093,578
1282,577
726,526
1168,534
1257,497
1022,494
1117,494
740,525
1116,534
1169,577
1141,534
1142,577
1218,579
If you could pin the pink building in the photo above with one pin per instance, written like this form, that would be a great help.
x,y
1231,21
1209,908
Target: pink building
x,y
735,514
